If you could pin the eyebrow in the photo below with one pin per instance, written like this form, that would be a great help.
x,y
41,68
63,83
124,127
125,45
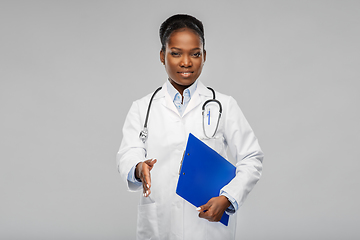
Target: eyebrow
x,y
179,49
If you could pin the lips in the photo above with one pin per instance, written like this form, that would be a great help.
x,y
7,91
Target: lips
x,y
185,74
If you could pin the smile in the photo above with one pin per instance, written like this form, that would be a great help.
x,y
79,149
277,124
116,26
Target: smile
x,y
185,74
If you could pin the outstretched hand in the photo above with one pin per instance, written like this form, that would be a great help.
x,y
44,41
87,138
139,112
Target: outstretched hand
x,y
142,172
214,208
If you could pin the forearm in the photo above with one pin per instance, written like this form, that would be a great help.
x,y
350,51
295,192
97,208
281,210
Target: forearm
x,y
248,173
127,162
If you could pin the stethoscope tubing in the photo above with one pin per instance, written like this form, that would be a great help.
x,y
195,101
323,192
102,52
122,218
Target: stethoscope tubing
x,y
148,110
144,133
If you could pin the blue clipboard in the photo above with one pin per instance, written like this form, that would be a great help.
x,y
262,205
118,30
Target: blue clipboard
x,y
203,173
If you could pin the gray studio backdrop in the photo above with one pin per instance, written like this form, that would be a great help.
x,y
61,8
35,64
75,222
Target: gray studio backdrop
x,y
69,71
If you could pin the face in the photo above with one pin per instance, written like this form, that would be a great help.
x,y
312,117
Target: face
x,y
183,58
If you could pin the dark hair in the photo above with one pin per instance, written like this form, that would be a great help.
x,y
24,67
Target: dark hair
x,y
179,21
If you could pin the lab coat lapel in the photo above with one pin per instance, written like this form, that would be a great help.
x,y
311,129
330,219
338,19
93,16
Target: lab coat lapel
x,y
196,99
167,101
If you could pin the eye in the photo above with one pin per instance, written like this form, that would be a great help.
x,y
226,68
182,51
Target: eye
x,y
198,54
175,54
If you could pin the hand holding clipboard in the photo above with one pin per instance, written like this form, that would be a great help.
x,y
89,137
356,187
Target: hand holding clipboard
x,y
203,173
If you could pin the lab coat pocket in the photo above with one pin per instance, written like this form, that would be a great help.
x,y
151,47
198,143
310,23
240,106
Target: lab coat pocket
x,y
147,222
216,144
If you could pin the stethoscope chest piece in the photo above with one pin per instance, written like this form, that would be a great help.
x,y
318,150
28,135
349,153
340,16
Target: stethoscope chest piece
x,y
144,135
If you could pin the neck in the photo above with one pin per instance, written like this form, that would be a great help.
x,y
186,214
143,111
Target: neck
x,y
178,87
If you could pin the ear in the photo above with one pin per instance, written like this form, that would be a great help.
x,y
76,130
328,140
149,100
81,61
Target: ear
x,y
204,55
162,57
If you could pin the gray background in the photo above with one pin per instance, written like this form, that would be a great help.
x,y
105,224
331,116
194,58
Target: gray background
x,y
70,69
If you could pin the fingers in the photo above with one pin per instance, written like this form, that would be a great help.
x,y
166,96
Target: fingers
x,y
209,215
203,210
146,184
145,176
147,167
146,191
213,209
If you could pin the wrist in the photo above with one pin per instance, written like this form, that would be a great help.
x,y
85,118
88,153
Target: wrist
x,y
137,171
227,202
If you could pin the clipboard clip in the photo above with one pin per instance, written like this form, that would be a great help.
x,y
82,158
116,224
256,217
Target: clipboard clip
x,y
182,162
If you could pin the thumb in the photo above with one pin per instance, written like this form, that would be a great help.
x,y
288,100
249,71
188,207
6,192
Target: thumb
x,y
152,162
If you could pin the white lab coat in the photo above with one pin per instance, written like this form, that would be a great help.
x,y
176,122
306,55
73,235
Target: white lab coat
x,y
166,215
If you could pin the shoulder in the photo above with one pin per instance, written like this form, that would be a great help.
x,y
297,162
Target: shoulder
x,y
143,99
160,92
141,105
222,96
225,99
230,107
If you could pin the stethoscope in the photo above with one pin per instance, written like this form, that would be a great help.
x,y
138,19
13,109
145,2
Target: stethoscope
x,y
144,133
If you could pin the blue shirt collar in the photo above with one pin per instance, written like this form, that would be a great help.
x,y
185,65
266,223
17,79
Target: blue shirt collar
x,y
178,101
188,91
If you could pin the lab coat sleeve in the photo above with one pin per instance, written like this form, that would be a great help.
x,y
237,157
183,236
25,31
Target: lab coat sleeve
x,y
245,148
132,149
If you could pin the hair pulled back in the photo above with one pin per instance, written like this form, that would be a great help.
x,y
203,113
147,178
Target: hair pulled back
x,y
177,22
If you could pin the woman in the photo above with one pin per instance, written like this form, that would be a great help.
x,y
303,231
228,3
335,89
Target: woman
x,y
176,111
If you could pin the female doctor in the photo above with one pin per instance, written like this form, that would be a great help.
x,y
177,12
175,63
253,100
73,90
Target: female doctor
x,y
152,161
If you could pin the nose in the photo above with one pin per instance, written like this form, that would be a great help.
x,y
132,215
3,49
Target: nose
x,y
186,62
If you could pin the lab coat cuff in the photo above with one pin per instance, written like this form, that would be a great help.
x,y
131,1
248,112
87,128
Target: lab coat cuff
x,y
233,207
